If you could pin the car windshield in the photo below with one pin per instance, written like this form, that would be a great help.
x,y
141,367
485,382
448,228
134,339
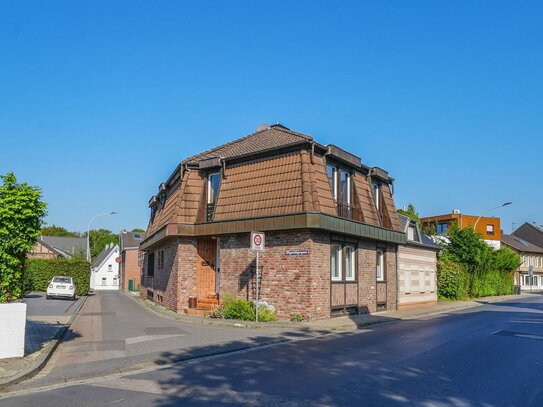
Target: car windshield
x,y
65,280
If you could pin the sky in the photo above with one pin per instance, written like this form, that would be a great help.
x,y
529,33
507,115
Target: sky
x,y
99,101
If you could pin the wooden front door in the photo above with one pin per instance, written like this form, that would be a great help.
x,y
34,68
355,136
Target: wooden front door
x,y
205,269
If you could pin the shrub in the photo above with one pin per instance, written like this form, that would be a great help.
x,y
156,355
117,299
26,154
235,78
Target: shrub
x,y
452,279
39,273
236,308
296,317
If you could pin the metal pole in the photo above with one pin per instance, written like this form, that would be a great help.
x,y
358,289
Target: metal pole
x,y
257,278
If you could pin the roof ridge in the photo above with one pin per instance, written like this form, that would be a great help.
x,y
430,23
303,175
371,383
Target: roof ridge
x,y
236,141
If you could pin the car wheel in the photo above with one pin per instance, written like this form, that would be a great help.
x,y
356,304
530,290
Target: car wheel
x,y
73,298
47,297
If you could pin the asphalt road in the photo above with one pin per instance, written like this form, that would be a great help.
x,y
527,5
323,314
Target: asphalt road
x,y
38,305
486,356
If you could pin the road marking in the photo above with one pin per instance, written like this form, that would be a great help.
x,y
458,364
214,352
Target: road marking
x,y
147,338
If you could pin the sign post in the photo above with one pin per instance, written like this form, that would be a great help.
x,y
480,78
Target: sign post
x,y
257,244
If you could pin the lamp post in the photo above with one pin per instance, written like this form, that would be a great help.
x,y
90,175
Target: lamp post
x,y
488,210
88,231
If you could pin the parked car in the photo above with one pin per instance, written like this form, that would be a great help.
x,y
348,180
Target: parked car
x,y
61,287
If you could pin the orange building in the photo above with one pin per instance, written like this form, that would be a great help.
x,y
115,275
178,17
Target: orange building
x,y
488,228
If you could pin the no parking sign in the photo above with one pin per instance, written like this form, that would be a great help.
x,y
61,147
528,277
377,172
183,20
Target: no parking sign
x,y
257,241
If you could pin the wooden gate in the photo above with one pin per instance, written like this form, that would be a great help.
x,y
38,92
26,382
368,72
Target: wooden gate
x,y
205,269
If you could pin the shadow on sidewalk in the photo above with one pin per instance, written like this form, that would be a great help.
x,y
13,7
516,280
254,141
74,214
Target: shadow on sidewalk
x,y
38,334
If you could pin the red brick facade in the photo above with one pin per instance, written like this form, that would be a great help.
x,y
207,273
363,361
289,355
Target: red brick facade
x,y
292,283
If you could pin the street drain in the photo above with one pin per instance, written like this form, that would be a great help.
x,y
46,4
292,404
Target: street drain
x,y
521,335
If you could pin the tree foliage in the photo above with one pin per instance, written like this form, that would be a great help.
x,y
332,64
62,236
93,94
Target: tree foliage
x,y
21,213
138,230
410,213
468,267
58,231
99,238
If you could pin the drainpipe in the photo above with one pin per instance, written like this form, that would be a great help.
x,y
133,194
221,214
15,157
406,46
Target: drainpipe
x,y
397,281
312,152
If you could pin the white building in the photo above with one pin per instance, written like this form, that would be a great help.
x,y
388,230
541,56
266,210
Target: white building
x,y
105,269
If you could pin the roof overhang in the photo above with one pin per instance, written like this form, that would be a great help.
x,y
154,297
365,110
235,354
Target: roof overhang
x,y
318,221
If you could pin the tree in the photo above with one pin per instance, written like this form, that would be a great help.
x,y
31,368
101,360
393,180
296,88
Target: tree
x,y
21,213
410,213
138,230
58,231
99,238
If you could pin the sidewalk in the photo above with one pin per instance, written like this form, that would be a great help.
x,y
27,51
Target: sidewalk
x,y
42,336
338,324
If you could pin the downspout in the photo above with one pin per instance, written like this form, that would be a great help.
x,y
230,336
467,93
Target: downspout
x,y
397,281
312,152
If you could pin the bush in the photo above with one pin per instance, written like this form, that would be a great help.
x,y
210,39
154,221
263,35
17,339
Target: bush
x,y
296,317
235,308
453,280
39,272
490,283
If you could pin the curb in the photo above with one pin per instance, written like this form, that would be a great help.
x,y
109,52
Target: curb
x,y
232,323
46,354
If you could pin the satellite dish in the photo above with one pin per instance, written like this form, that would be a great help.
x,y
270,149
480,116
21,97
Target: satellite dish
x,y
262,126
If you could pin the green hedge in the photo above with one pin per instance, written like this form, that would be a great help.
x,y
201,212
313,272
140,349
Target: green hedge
x,y
491,283
39,272
453,280
457,283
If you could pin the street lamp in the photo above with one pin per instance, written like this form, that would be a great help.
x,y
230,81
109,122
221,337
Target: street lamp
x,y
88,231
488,210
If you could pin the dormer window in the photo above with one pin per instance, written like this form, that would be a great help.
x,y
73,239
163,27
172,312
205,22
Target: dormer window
x,y
213,183
376,192
340,184
412,233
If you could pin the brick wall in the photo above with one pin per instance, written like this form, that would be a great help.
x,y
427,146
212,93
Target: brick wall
x,y
130,269
291,283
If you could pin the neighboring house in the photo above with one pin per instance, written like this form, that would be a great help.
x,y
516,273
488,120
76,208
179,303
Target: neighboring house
x,y
105,269
417,267
488,228
531,233
531,257
130,268
51,247
331,227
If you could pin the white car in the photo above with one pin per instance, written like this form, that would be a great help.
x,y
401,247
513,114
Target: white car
x,y
61,286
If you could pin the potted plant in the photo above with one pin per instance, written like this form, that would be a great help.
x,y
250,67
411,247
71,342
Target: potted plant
x,y
21,213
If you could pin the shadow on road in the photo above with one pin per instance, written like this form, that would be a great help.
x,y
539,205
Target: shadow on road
x,y
364,367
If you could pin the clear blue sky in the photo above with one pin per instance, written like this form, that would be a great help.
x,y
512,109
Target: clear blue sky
x,y
99,101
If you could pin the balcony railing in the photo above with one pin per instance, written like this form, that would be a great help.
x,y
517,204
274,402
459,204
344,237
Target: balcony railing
x,y
210,208
344,210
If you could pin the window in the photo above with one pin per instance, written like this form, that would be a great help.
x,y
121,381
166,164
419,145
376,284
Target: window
x,y
160,260
350,267
380,265
412,233
104,281
489,229
109,267
375,189
442,228
535,280
331,173
344,187
335,262
213,182
151,265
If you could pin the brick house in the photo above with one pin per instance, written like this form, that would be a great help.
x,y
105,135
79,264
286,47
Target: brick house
x,y
331,227
129,268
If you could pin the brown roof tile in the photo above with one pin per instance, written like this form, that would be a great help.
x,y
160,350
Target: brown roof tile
x,y
270,138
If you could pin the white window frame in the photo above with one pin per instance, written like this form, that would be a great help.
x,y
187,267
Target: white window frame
x,y
411,232
104,280
348,201
490,229
339,276
350,275
109,268
380,272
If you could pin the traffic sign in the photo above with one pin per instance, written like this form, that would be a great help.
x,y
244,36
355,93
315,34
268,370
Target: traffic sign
x,y
258,241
